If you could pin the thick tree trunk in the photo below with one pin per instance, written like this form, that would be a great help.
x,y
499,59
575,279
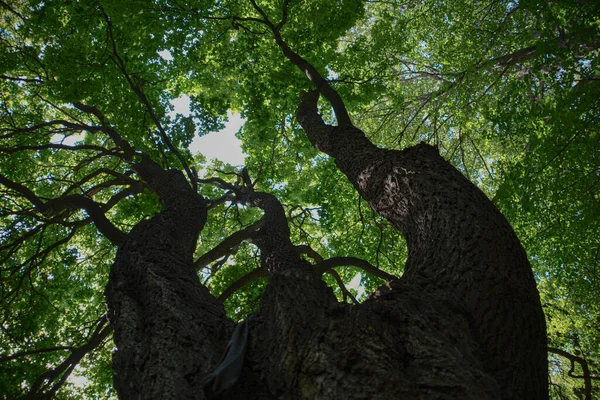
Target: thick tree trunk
x,y
464,322
462,252
305,345
168,329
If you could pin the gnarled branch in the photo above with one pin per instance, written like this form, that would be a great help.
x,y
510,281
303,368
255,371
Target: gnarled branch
x,y
587,378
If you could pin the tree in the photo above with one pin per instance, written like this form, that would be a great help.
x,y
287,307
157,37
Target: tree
x,y
120,211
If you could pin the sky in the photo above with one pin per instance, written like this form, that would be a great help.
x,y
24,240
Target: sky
x,y
222,145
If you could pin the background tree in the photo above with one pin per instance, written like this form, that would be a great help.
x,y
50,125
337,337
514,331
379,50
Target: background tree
x,y
507,92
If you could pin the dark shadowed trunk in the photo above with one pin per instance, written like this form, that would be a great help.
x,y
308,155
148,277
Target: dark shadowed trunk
x,y
405,343
464,321
462,252
168,329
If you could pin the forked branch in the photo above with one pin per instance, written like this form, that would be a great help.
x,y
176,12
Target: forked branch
x,y
48,383
321,84
55,206
587,377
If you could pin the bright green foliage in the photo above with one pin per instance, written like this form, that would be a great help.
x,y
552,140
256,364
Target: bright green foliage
x,y
507,90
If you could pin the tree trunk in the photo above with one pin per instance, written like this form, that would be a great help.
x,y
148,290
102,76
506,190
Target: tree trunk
x,y
168,329
464,321
405,343
462,252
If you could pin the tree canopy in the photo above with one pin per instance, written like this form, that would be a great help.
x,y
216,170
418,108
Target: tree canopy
x,y
508,91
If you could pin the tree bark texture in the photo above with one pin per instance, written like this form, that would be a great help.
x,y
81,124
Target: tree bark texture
x,y
305,345
462,252
463,322
168,329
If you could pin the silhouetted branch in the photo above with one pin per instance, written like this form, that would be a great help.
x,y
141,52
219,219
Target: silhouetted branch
x,y
323,266
48,383
243,281
54,206
108,129
342,287
584,366
35,351
226,246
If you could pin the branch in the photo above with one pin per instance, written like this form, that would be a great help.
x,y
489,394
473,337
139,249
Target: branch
x,y
54,206
343,288
40,388
309,251
19,79
35,351
58,146
12,10
326,265
321,84
584,366
225,247
137,89
218,182
243,281
67,124
106,128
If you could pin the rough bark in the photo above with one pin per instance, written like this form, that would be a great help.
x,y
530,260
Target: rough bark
x,y
306,345
462,251
168,329
463,322
442,331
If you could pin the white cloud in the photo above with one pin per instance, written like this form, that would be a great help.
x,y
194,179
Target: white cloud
x,y
165,55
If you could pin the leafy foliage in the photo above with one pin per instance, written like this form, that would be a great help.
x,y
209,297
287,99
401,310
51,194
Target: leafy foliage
x,y
508,91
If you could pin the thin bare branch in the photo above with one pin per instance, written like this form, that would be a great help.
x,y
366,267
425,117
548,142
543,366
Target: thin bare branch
x,y
584,366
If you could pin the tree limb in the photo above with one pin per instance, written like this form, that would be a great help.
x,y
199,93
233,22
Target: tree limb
x,y
35,351
137,89
587,378
243,281
227,244
366,266
323,266
342,287
321,84
54,206
57,376
108,129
